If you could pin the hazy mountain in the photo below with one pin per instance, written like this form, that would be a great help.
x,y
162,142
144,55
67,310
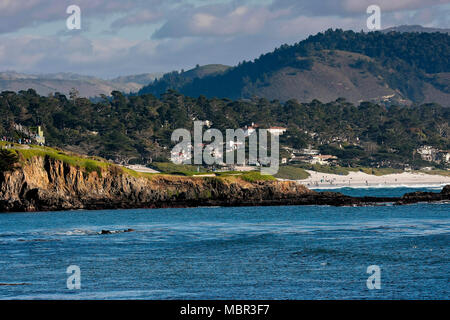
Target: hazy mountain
x,y
88,86
389,67
138,79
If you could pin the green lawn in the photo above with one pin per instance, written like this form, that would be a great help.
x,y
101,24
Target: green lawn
x,y
292,173
177,169
191,170
254,176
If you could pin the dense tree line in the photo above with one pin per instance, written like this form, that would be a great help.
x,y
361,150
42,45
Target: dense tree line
x,y
138,128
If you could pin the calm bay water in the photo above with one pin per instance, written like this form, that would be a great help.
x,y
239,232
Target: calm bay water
x,y
298,252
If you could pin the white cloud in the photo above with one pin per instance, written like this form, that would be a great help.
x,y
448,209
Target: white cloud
x,y
52,54
141,17
17,14
356,6
223,20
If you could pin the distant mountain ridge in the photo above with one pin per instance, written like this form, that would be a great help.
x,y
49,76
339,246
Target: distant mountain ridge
x,y
177,80
390,67
88,86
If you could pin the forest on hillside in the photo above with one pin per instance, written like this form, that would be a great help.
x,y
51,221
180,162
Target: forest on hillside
x,y
406,61
138,128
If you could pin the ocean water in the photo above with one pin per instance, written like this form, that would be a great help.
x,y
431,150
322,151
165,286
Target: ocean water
x,y
292,252
377,191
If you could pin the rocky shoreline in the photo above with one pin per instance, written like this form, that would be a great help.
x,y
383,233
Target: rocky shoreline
x,y
46,184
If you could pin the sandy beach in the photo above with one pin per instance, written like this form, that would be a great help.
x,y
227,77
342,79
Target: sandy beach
x,y
361,179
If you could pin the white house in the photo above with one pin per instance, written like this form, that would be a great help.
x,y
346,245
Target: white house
x,y
248,130
309,151
428,153
322,159
277,130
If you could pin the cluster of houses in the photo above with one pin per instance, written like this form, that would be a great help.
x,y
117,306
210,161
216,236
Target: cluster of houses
x,y
432,154
306,155
248,130
185,156
324,140
29,135
309,155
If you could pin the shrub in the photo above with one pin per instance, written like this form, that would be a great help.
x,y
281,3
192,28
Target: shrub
x,y
7,160
91,166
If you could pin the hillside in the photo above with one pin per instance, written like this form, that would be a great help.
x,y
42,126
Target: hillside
x,y
392,67
333,74
206,70
178,80
87,86
139,80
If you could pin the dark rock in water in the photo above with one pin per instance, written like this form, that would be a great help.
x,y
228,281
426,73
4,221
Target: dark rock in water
x,y
116,231
420,196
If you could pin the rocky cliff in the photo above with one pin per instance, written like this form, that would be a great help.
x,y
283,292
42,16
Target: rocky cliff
x,y
43,184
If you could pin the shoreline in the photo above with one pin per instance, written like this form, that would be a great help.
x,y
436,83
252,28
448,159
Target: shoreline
x,y
320,180
376,186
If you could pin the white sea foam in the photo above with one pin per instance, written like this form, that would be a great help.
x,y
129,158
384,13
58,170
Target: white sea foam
x,y
75,232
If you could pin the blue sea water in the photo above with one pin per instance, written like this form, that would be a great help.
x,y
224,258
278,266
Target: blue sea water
x,y
292,252
394,191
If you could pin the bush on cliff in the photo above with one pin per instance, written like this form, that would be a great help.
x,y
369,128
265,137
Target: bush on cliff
x,y
7,160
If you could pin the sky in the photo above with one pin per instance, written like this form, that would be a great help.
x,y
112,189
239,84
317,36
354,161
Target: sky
x,y
123,37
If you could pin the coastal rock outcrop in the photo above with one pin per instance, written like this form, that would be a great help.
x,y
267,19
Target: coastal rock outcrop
x,y
420,196
46,184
